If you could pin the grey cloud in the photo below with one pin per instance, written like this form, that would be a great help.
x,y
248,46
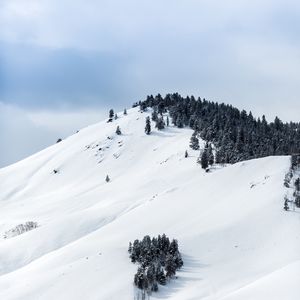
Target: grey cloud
x,y
40,76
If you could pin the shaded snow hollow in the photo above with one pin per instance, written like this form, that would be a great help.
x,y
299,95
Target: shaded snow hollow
x,y
236,240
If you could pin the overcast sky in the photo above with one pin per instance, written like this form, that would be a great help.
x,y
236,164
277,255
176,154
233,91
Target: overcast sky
x,y
63,63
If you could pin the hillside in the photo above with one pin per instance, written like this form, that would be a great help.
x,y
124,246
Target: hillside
x,y
236,240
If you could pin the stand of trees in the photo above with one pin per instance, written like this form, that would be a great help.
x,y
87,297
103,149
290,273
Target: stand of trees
x,y
236,135
158,260
292,181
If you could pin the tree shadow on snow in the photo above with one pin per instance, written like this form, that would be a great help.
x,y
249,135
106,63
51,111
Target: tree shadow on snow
x,y
191,271
163,134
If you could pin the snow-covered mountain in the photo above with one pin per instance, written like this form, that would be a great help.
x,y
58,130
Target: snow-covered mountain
x,y
236,240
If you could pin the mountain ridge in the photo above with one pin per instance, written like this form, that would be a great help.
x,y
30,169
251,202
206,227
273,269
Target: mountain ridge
x,y
228,220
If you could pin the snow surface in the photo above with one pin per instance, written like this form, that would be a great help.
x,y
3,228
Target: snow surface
x,y
237,241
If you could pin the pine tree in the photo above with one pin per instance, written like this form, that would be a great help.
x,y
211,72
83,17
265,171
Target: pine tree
x,y
148,126
154,287
154,116
107,179
297,184
220,156
125,112
211,158
140,278
160,124
170,266
161,277
118,130
111,113
179,121
186,154
178,260
204,159
286,206
151,275
194,141
130,248
116,116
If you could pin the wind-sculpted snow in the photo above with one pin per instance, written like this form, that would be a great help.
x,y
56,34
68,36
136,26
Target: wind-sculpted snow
x,y
232,229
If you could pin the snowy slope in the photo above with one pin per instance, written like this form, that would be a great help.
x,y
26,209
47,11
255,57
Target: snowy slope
x,y
235,238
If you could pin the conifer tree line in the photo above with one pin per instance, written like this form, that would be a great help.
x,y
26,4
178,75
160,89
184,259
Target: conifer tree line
x,y
292,180
158,260
236,135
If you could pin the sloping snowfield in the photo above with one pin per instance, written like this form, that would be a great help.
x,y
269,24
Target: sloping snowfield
x,y
237,241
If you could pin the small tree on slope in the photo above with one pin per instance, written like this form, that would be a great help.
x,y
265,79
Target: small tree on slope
x,y
118,130
111,113
148,126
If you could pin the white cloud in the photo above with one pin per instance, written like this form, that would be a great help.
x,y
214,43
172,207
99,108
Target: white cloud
x,y
24,132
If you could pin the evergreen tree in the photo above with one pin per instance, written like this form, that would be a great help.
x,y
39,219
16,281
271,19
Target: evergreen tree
x,y
148,126
151,278
220,156
143,106
186,154
160,124
130,248
194,141
173,248
170,266
204,159
125,112
111,113
178,260
180,121
118,130
297,184
107,179
161,277
211,158
154,116
140,279
286,206
154,287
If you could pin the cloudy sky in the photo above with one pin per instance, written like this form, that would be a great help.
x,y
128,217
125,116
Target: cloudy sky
x,y
63,63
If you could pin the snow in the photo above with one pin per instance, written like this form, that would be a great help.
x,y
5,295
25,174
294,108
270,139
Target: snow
x,y
237,241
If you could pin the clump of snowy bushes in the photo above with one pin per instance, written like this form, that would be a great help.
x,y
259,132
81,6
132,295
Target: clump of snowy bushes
x,y
158,260
19,229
